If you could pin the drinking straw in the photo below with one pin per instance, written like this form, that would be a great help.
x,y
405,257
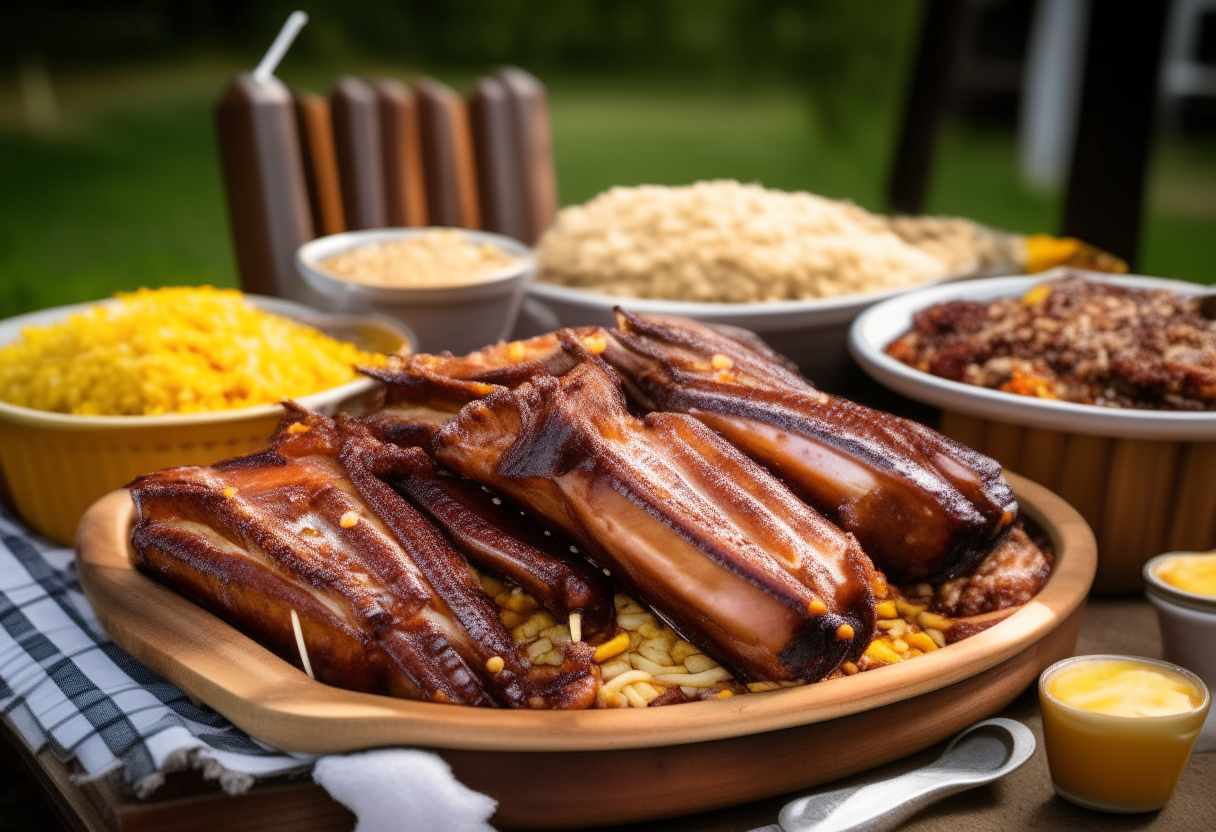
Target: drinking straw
x,y
270,61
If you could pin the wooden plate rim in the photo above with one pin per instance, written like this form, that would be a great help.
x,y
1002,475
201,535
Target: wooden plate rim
x,y
275,702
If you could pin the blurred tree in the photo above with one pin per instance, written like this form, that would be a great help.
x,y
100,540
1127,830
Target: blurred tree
x,y
834,49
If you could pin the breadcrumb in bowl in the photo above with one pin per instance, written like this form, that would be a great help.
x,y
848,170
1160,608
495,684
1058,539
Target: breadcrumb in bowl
x,y
726,242
455,288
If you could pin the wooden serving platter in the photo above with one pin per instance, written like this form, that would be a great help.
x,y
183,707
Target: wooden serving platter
x,y
551,769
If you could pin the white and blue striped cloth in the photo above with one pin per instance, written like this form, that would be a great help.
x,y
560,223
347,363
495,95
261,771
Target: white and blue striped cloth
x,y
65,684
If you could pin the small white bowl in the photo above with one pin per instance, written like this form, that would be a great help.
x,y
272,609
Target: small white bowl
x,y
812,333
1188,631
459,318
881,324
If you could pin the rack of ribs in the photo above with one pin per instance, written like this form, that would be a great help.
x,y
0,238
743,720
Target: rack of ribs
x,y
711,541
305,548
923,506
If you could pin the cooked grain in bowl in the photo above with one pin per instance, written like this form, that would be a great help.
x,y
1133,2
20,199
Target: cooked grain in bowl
x,y
172,350
436,258
723,241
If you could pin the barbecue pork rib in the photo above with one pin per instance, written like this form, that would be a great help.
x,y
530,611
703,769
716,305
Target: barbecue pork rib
x,y
497,536
384,602
712,542
923,506
423,391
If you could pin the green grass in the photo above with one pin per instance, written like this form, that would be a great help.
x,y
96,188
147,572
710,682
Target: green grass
x,y
976,177
133,201
129,194
769,136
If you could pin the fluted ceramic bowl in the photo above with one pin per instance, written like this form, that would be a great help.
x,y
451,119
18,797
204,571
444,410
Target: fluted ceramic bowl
x,y
53,465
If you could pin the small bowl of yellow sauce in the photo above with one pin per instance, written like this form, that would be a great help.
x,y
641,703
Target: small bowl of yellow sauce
x,y
1182,586
1119,730
1188,578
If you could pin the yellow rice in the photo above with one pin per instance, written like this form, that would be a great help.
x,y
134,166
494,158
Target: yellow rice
x,y
173,350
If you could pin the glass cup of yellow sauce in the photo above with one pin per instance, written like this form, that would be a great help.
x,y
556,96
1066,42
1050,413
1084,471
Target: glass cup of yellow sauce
x,y
1182,587
1119,730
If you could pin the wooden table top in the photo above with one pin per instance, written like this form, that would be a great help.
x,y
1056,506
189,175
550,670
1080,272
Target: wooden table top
x,y
36,792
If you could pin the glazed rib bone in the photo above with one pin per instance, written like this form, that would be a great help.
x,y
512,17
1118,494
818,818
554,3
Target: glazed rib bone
x,y
712,542
923,506
498,537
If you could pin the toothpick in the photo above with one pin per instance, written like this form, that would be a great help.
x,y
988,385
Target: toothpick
x,y
295,625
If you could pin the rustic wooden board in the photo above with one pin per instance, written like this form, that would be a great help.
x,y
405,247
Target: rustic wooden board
x,y
679,759
1193,526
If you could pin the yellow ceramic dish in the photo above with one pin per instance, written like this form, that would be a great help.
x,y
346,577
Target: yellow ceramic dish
x,y
54,465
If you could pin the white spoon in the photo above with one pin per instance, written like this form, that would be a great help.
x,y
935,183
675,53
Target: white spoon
x,y
981,754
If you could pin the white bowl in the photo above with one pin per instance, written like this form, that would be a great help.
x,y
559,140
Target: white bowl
x,y
881,324
458,318
1188,632
812,333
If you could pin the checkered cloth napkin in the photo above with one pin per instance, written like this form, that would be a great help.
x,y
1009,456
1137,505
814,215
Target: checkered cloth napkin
x,y
65,684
